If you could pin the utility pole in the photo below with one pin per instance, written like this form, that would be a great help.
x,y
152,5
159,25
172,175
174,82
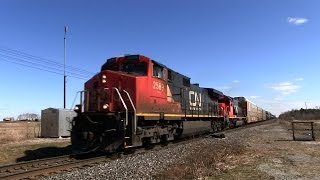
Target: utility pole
x,y
64,67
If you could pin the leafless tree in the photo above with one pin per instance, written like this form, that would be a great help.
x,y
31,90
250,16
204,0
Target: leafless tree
x,y
28,116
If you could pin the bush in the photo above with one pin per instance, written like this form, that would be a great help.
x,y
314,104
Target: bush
x,y
206,161
302,114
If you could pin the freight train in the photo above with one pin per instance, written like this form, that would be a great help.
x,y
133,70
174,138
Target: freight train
x,y
135,101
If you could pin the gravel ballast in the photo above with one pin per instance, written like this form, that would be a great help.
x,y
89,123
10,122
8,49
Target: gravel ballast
x,y
138,166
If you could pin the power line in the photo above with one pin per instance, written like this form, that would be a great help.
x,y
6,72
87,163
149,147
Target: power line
x,y
39,68
24,55
23,61
28,60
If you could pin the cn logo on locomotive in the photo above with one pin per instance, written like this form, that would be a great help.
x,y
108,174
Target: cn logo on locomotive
x,y
195,100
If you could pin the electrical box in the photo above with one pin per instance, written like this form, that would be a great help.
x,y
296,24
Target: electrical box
x,y
56,122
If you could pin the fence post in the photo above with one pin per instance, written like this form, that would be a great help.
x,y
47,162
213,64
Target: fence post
x,y
313,138
292,123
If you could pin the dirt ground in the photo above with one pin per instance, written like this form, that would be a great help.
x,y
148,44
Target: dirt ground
x,y
272,154
261,152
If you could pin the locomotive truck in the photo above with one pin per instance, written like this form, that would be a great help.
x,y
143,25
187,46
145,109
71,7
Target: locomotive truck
x,y
135,101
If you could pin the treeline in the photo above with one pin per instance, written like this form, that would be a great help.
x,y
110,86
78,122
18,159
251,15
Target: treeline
x,y
302,114
28,116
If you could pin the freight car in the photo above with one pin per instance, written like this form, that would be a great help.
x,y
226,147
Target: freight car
x,y
135,100
250,111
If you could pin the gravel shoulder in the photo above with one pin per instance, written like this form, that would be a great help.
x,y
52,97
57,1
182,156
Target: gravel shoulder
x,y
261,152
272,154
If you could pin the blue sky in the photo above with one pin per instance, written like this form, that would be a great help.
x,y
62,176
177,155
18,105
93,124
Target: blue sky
x,y
267,51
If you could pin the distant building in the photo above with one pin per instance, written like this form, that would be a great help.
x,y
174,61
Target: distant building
x,y
8,119
28,117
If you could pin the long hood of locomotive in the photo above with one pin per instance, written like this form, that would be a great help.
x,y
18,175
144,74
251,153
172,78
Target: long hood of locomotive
x,y
150,96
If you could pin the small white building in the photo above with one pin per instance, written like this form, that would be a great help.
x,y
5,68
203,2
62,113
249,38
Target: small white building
x,y
56,122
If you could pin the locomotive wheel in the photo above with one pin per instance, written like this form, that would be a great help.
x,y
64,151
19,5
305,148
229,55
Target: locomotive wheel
x,y
179,130
216,126
164,140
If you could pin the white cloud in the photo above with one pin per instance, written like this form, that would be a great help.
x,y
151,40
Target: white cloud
x,y
297,20
2,108
229,87
254,97
224,88
280,104
299,79
278,98
286,88
278,107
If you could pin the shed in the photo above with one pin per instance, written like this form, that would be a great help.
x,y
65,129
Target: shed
x,y
56,122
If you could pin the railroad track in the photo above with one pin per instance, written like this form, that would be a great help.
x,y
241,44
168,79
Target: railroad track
x,y
259,123
49,166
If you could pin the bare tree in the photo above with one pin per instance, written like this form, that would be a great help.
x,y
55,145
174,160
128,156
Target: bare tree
x,y
28,116
302,114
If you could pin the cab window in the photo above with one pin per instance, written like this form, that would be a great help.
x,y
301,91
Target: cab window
x,y
157,71
113,66
134,68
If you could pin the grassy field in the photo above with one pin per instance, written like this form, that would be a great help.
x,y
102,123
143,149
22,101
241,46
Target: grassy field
x,y
17,131
20,142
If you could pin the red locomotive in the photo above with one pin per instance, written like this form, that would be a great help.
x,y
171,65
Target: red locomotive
x,y
135,100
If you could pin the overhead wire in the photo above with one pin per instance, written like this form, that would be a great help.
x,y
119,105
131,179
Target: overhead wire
x,y
52,69
24,59
37,58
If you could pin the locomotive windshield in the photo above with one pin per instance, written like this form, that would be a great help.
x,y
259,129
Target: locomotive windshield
x,y
113,66
134,68
130,67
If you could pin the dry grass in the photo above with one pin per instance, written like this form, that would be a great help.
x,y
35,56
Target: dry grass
x,y
29,151
18,131
207,161
20,142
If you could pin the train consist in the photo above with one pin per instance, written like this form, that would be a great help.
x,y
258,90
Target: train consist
x,y
135,100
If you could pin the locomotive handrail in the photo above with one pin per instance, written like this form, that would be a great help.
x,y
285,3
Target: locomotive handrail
x,y
124,104
134,109
81,99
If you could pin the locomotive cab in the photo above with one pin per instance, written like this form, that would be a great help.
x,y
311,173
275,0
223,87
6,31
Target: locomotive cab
x,y
116,102
107,109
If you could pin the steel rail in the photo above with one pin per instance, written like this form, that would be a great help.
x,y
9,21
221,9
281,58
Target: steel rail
x,y
44,167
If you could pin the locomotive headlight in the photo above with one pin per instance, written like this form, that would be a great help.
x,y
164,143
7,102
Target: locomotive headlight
x,y
105,107
104,77
77,108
